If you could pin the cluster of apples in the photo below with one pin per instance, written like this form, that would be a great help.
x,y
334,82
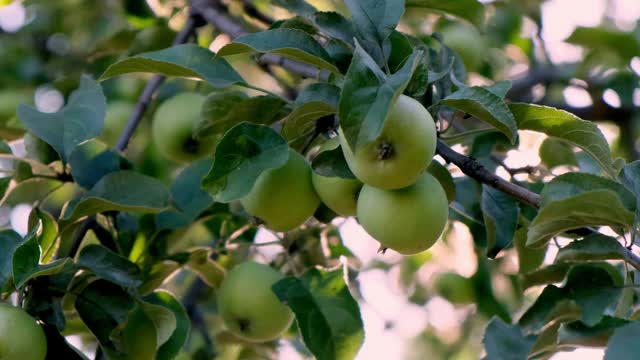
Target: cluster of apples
x,y
393,197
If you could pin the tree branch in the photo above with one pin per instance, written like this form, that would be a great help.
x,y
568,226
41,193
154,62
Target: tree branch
x,y
132,125
218,16
476,171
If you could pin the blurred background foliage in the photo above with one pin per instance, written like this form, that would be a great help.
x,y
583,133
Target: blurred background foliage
x,y
580,56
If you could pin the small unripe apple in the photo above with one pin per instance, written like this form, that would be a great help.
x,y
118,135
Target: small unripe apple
x,y
284,197
339,194
118,113
467,42
402,151
408,220
248,306
21,338
173,125
456,288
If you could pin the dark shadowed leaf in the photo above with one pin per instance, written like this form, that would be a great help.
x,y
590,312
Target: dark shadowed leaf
x,y
554,152
332,163
188,60
501,213
506,342
335,25
327,315
445,179
91,160
81,119
241,156
122,191
300,7
9,242
109,266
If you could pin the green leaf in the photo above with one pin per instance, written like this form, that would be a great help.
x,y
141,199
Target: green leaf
x,y
188,60
327,315
300,125
291,43
222,112
9,242
300,7
207,269
500,88
48,237
501,213
486,300
109,266
367,96
630,178
504,341
486,106
102,306
171,347
554,152
332,163
122,191
623,44
319,92
241,156
374,21
81,119
186,192
568,127
335,25
595,247
529,259
26,261
578,334
92,160
624,344
470,10
445,179
30,191
576,200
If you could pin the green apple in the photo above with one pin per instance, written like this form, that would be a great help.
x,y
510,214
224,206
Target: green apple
x,y
21,338
408,220
339,194
283,198
118,113
39,150
401,153
456,288
467,42
172,129
248,306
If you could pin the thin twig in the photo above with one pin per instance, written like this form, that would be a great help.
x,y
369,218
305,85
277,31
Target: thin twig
x,y
476,171
253,12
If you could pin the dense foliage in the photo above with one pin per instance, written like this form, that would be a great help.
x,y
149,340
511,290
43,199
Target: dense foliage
x,y
157,144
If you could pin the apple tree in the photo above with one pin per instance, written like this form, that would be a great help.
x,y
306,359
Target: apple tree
x,y
152,150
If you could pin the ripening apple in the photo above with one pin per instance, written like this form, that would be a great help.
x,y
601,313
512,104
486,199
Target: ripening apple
x,y
248,306
402,151
118,113
456,288
284,197
21,338
467,42
407,220
339,194
172,129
